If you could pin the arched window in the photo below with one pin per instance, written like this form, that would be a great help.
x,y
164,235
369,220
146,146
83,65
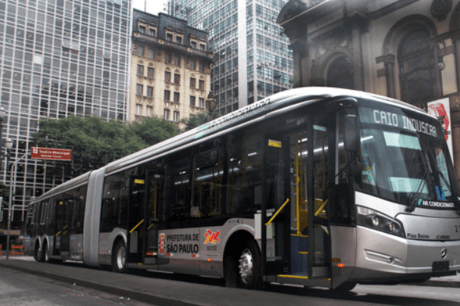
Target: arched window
x,y
417,68
340,73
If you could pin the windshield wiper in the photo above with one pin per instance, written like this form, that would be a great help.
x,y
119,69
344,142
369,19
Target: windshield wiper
x,y
412,201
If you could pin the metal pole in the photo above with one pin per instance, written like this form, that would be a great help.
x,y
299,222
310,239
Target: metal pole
x,y
9,204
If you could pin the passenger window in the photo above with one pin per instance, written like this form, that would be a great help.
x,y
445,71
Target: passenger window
x,y
208,181
244,191
180,189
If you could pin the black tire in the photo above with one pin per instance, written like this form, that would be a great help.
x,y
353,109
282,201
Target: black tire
x,y
243,268
45,256
37,253
119,258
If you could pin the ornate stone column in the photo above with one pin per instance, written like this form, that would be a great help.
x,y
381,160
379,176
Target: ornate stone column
x,y
389,61
358,73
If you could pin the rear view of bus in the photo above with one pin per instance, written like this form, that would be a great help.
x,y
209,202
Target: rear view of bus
x,y
406,196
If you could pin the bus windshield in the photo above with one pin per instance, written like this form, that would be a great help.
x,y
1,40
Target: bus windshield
x,y
405,157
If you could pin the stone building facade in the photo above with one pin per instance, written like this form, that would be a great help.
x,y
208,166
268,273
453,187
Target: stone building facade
x,y
170,68
404,49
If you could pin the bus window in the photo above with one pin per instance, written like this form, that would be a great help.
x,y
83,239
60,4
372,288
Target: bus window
x,y
179,190
208,172
244,194
114,202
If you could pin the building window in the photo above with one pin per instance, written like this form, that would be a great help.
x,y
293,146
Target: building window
x,y
169,37
152,32
140,70
176,97
167,58
150,72
142,29
166,114
193,65
177,78
139,89
340,73
139,109
150,91
167,95
201,84
176,116
150,53
192,101
201,67
149,111
192,82
202,47
140,51
193,44
201,102
177,60
167,76
179,40
417,69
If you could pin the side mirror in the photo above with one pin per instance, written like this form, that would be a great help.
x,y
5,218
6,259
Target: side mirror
x,y
351,133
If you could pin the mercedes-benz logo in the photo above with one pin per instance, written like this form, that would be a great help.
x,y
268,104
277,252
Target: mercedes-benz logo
x,y
443,253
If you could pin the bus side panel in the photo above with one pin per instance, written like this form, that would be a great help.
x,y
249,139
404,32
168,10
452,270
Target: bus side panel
x,y
76,245
106,244
343,239
92,218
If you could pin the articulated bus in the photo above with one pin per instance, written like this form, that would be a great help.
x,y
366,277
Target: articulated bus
x,y
311,186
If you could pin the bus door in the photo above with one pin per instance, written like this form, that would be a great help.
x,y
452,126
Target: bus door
x,y
320,168
275,208
307,163
155,198
62,235
136,218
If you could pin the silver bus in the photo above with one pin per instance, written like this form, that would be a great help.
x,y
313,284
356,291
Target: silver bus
x,y
311,186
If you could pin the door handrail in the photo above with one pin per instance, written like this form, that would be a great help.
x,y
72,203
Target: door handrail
x,y
136,226
276,214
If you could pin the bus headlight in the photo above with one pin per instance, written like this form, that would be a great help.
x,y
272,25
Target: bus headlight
x,y
377,221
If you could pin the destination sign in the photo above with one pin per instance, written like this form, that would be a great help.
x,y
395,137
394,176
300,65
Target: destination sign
x,y
397,120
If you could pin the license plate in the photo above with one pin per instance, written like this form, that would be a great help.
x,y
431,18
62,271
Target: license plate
x,y
439,266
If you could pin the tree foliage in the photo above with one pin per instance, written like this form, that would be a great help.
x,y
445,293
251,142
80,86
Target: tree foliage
x,y
196,120
95,143
5,194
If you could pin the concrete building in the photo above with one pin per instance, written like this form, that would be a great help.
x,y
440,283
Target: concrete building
x,y
406,49
59,58
251,55
170,69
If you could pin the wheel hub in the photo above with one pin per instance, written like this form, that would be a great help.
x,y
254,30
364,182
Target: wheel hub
x,y
245,267
121,258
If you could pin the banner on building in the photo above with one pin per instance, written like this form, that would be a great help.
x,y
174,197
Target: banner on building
x,y
441,110
51,154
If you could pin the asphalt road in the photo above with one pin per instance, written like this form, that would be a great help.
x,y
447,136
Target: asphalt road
x,y
69,281
22,288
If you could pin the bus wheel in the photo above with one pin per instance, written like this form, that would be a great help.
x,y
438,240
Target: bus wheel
x,y
119,258
249,266
37,255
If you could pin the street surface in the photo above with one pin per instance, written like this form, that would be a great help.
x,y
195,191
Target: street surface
x,y
20,288
30,283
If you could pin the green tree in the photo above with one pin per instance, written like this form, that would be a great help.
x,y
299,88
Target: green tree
x,y
153,130
94,142
196,120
